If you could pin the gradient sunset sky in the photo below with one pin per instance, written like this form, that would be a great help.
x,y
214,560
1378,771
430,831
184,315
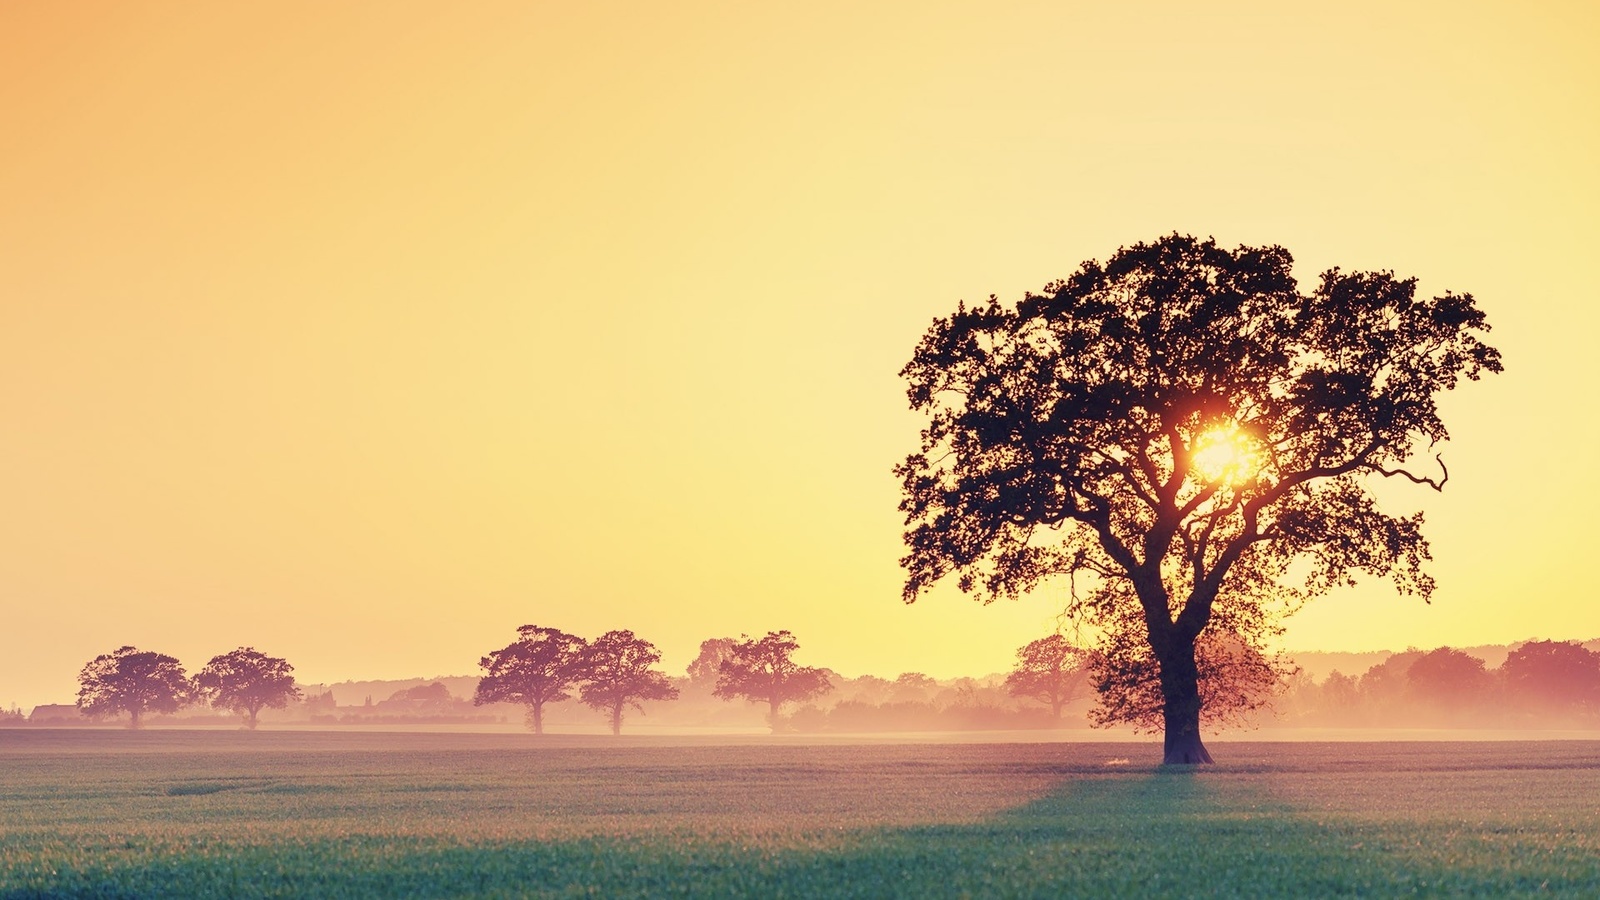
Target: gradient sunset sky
x,y
363,333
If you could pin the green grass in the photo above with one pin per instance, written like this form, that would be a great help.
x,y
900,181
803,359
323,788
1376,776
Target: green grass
x,y
193,813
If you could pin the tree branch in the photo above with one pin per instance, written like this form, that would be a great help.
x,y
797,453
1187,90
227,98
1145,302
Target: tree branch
x,y
1416,479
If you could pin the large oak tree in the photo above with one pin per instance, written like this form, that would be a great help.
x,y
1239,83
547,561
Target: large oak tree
x,y
246,681
763,670
541,666
617,673
1179,430
133,681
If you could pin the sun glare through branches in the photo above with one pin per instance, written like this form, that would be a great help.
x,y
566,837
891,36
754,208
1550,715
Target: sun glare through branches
x,y
1226,455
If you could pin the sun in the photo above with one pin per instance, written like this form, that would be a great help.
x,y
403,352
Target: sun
x,y
1226,455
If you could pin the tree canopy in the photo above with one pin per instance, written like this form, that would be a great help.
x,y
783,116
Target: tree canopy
x,y
132,681
763,671
1554,676
704,669
246,681
1449,680
617,674
1178,431
541,666
1050,670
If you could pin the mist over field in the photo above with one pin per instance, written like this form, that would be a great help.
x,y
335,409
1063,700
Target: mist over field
x,y
1354,695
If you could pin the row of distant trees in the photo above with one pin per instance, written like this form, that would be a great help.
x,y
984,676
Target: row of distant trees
x,y
544,665
136,682
611,674
1539,683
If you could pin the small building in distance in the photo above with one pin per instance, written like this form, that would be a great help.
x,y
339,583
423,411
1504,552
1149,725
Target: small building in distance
x,y
57,714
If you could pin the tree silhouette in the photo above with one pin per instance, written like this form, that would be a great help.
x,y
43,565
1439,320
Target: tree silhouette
x,y
763,671
912,687
616,674
541,666
135,682
1172,430
1050,670
704,669
246,681
432,694
1553,677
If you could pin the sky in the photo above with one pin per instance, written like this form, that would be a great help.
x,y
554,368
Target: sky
x,y
364,333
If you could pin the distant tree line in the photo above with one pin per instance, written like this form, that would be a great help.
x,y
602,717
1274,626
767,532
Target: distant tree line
x,y
614,673
543,665
1540,684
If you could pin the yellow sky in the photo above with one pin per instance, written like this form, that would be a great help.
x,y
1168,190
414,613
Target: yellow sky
x,y
365,333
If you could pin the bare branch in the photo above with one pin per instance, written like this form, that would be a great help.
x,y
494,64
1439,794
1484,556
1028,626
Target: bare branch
x,y
1416,479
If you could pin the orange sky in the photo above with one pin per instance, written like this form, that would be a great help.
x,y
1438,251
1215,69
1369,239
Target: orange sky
x,y
365,333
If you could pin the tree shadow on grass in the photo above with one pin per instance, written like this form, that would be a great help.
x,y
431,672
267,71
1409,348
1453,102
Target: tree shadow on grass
x,y
1132,834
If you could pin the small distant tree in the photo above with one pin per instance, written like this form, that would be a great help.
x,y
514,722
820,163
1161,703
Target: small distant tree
x,y
707,665
912,687
1341,698
435,694
246,681
322,704
868,689
763,671
1050,670
132,681
541,666
616,672
1553,677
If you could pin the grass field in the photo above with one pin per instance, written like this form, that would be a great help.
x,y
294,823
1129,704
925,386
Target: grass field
x,y
100,813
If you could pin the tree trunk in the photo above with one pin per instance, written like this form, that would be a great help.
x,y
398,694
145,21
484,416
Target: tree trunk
x,y
616,719
133,717
251,724
536,713
1180,693
772,715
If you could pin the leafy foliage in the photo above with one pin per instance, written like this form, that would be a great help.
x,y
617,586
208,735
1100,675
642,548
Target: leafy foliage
x,y
1050,670
246,681
1448,678
1235,676
617,674
132,681
705,668
433,693
1552,675
763,671
1072,434
541,666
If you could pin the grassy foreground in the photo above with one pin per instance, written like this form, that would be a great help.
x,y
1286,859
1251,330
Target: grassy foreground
x,y
96,813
